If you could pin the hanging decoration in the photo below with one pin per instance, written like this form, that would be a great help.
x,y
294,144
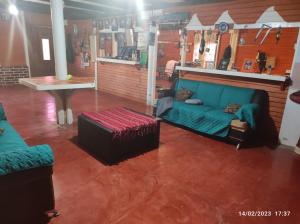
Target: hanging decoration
x,y
223,27
270,17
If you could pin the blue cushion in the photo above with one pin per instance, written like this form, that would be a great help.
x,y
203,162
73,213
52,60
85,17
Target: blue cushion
x,y
209,93
248,113
186,114
235,95
200,118
217,123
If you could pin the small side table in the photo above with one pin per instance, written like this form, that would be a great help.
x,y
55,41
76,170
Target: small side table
x,y
239,132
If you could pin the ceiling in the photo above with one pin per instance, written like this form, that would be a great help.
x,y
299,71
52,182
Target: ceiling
x,y
93,9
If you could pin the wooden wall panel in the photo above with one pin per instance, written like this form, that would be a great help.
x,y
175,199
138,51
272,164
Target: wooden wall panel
x,y
168,45
11,44
277,97
123,80
242,11
85,29
283,50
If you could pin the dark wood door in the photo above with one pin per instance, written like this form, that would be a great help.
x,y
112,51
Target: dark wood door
x,y
41,51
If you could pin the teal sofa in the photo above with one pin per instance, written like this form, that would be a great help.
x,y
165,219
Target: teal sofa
x,y
209,117
26,189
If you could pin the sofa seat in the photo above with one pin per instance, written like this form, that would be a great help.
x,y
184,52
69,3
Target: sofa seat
x,y
186,115
201,118
217,123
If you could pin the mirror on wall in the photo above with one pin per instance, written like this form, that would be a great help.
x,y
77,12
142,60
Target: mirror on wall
x,y
205,48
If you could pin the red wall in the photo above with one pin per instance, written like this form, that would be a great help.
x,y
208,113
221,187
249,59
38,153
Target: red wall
x,y
283,51
168,44
242,11
11,43
126,81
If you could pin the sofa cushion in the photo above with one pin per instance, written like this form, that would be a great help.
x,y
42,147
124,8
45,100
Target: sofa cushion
x,y
219,115
10,139
193,101
18,160
232,108
235,95
191,107
248,113
209,93
187,84
183,94
200,118
186,114
217,122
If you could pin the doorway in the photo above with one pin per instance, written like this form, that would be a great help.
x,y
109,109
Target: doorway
x,y
40,48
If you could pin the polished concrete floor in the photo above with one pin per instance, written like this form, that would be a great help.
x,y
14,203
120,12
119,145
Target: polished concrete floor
x,y
189,179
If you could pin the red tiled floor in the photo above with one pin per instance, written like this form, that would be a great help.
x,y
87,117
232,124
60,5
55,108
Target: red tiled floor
x,y
189,179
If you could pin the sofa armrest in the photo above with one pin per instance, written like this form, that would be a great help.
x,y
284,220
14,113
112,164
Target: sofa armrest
x,y
25,159
248,113
2,113
165,93
163,104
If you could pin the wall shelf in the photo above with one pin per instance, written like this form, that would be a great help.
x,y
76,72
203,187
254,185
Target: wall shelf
x,y
118,61
120,30
278,78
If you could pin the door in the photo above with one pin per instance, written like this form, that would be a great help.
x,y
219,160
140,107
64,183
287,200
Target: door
x,y
41,51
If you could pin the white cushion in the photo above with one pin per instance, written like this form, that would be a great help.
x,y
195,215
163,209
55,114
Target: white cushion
x,y
193,101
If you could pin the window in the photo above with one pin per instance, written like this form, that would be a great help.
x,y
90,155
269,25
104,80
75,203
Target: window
x,y
46,49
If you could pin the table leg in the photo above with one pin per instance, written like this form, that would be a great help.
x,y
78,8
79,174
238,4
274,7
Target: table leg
x,y
63,106
68,106
59,103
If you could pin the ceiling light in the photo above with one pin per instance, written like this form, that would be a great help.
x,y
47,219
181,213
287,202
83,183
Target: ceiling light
x,y
13,9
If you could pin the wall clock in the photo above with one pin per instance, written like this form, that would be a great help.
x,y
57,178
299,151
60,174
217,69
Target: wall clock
x,y
223,27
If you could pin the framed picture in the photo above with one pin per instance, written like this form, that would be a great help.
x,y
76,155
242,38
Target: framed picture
x,y
248,65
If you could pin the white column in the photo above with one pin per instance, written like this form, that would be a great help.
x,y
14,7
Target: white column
x,y
60,106
59,41
96,74
183,40
68,106
290,126
154,65
25,41
152,58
